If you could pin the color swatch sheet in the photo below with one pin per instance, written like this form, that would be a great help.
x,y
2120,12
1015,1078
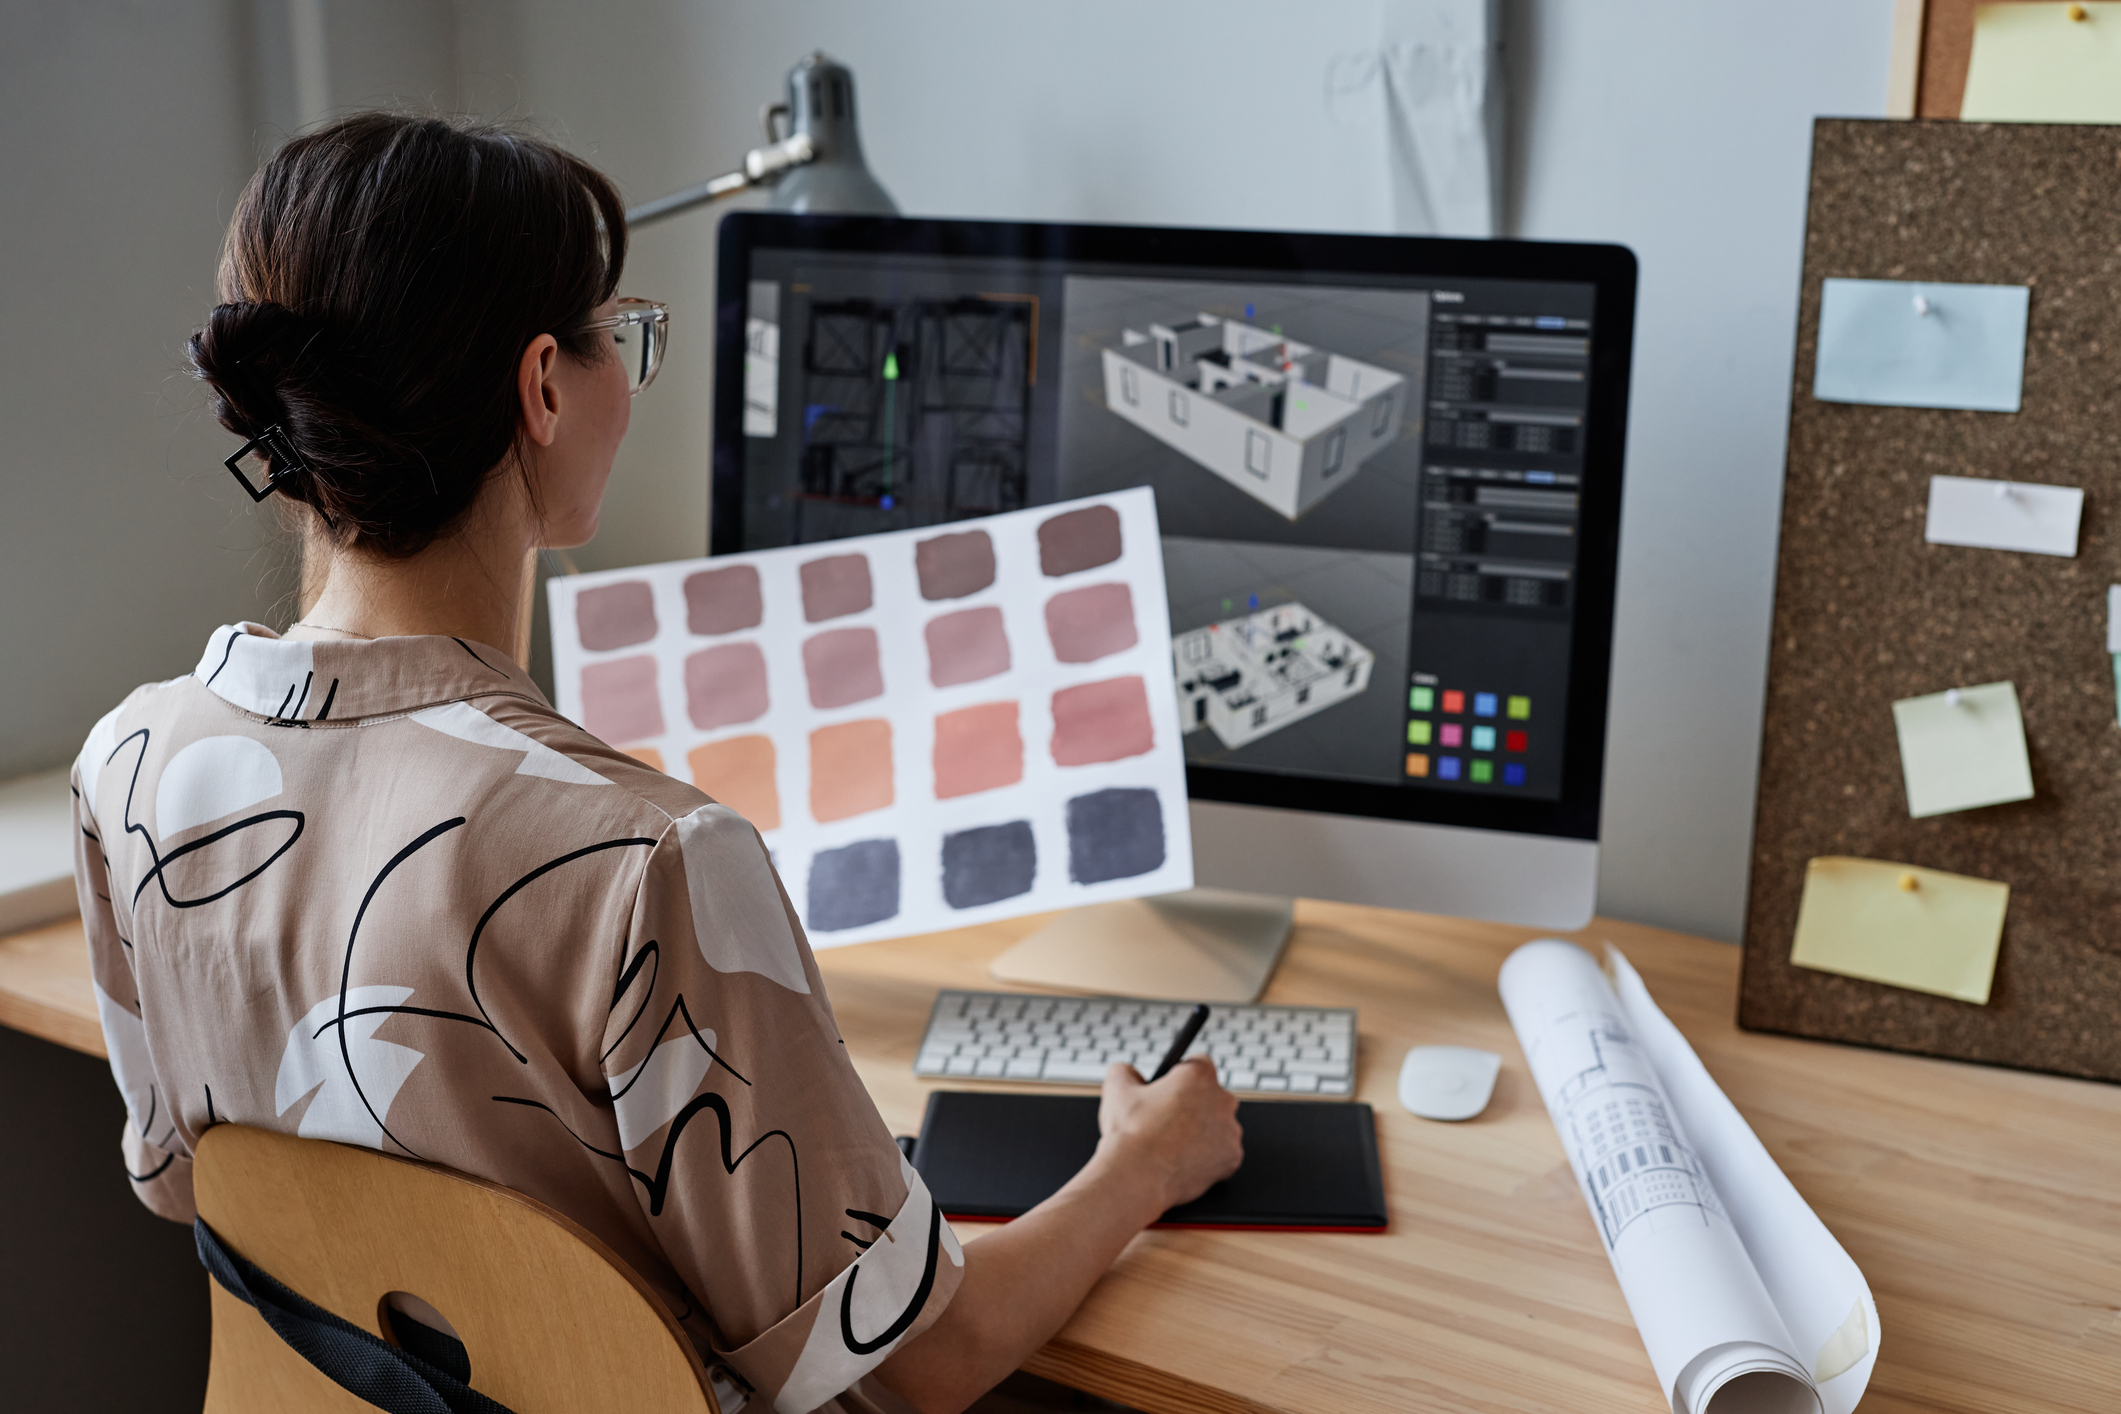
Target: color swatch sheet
x,y
930,728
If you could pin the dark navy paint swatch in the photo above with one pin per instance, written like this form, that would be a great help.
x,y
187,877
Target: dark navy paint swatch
x,y
1114,834
853,885
988,864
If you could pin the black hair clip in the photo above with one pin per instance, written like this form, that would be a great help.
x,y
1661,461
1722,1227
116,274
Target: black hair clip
x,y
286,465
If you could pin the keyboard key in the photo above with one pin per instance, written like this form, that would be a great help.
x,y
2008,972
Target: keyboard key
x,y
990,1065
1075,1071
932,1063
1315,1067
1025,1068
1243,1080
1332,1087
1273,1082
1305,1083
962,1065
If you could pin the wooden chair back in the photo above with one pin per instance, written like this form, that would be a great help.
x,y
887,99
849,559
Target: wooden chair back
x,y
551,1319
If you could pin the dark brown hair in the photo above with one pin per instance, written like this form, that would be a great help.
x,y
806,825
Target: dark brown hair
x,y
383,276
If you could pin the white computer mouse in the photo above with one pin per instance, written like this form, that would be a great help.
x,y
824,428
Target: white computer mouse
x,y
1447,1082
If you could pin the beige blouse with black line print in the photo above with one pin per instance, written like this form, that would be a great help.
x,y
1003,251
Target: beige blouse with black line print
x,y
382,893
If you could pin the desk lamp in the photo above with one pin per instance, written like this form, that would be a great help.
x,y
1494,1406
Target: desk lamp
x,y
817,167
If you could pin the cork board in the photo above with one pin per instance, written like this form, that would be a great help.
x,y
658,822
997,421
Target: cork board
x,y
1866,612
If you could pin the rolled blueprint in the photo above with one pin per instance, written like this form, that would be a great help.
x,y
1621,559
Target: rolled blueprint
x,y
1745,1302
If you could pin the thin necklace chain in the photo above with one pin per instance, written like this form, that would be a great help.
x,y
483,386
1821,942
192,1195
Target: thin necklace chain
x,y
327,628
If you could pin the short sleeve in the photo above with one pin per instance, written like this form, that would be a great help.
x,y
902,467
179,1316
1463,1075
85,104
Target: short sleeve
x,y
767,1177
155,1158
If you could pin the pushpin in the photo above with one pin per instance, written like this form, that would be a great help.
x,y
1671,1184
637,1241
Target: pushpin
x,y
2003,491
2077,12
1922,305
1951,697
1909,883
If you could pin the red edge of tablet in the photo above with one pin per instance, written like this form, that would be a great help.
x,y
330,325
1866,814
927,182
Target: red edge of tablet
x,y
1190,1227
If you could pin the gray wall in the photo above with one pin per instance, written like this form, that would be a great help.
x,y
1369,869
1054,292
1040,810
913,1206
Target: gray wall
x,y
125,134
1678,128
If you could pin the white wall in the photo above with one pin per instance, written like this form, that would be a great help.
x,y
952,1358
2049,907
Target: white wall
x,y
1680,129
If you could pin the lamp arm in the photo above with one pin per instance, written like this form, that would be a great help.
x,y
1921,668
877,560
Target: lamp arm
x,y
762,165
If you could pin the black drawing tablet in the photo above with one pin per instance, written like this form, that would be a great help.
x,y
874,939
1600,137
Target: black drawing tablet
x,y
1309,1165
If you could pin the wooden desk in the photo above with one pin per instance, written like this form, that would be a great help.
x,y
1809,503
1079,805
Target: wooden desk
x,y
1982,1204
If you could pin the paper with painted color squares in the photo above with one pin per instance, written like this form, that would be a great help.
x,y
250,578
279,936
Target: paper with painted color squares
x,y
1963,749
929,727
1902,925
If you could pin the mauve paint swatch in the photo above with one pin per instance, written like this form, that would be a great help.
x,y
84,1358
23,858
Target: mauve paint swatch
x,y
853,885
738,772
1114,834
850,769
977,748
966,646
725,685
952,566
1093,622
1101,721
988,864
841,666
615,615
618,700
1079,540
723,601
835,585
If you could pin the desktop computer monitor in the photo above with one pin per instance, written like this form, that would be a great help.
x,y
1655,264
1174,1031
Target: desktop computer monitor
x,y
1387,471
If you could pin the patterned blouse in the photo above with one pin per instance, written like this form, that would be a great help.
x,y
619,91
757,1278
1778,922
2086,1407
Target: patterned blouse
x,y
382,893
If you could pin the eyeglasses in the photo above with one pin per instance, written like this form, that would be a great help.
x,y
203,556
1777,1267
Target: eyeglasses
x,y
639,330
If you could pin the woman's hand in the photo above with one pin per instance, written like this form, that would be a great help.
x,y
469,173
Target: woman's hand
x,y
1179,1133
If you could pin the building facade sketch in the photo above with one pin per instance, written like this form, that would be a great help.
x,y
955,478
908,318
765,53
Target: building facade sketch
x,y
1286,423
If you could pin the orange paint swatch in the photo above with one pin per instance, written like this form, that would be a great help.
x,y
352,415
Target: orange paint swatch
x,y
850,769
977,748
738,772
647,755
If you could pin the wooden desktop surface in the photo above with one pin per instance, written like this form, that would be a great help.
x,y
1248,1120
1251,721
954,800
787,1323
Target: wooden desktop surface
x,y
1982,1204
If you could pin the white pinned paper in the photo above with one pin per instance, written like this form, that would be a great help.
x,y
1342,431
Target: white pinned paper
x,y
2113,619
2004,515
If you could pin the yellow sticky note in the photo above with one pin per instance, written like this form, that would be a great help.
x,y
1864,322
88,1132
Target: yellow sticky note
x,y
2034,64
1861,918
1963,749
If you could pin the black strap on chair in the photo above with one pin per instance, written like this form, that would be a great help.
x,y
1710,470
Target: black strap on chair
x,y
387,1376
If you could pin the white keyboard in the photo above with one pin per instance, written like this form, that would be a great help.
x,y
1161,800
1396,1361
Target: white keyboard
x,y
1257,1050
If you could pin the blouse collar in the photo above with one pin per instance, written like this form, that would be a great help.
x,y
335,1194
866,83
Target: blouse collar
x,y
299,681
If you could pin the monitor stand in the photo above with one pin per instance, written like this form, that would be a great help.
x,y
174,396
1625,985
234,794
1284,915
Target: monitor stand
x,y
1203,945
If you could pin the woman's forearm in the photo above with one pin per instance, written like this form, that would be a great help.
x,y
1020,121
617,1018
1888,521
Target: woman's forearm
x,y
1021,1283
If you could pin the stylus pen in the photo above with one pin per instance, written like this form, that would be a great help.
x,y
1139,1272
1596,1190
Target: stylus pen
x,y
1186,1033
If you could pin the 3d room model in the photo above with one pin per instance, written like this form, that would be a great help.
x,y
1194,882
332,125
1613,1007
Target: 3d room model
x,y
1283,422
1246,677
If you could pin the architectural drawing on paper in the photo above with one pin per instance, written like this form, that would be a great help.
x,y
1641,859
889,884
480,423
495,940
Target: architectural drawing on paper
x,y
1283,422
1243,678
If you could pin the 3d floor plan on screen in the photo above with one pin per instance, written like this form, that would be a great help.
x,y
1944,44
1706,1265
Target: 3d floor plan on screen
x,y
1243,678
1283,422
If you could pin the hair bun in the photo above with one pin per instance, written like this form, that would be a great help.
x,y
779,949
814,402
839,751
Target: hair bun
x,y
244,353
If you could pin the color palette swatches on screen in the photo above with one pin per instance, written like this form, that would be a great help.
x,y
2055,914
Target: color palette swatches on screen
x,y
929,728
1467,737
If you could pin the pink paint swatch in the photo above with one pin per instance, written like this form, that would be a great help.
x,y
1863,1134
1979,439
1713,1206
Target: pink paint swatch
x,y
615,615
619,702
966,646
841,667
952,566
978,748
835,586
725,685
1093,622
1078,540
1101,721
723,601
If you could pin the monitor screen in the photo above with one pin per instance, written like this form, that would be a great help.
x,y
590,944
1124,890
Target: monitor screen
x,y
1387,470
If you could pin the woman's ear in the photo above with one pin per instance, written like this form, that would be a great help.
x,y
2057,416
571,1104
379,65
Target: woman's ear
x,y
535,390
